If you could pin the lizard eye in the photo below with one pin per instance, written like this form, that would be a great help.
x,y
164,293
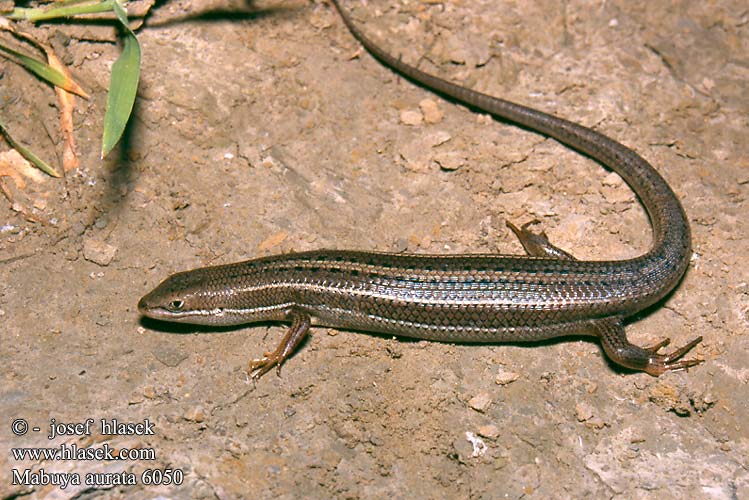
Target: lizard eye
x,y
175,305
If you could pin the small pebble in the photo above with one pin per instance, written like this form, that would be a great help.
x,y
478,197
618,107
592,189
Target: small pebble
x,y
490,431
596,423
612,180
584,411
195,414
480,402
438,138
432,112
451,160
504,377
98,252
411,117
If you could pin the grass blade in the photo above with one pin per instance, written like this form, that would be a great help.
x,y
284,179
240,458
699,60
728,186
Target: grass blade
x,y
45,71
121,14
26,153
62,9
123,86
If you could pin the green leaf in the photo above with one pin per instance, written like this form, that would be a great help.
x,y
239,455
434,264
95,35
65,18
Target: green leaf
x,y
123,86
121,14
61,9
44,71
26,153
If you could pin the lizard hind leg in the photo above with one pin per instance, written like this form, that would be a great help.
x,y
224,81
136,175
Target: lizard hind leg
x,y
537,245
622,352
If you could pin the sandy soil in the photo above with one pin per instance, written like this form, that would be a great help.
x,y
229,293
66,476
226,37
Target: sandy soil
x,y
263,128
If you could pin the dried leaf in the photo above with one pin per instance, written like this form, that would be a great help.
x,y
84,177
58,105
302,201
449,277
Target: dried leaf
x,y
67,106
18,168
15,170
273,241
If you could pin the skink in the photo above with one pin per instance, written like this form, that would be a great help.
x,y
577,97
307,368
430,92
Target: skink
x,y
456,298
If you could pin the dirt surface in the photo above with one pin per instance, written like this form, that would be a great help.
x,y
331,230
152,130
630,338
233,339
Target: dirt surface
x,y
263,128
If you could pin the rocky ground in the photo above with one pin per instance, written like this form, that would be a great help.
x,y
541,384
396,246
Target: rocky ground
x,y
262,127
